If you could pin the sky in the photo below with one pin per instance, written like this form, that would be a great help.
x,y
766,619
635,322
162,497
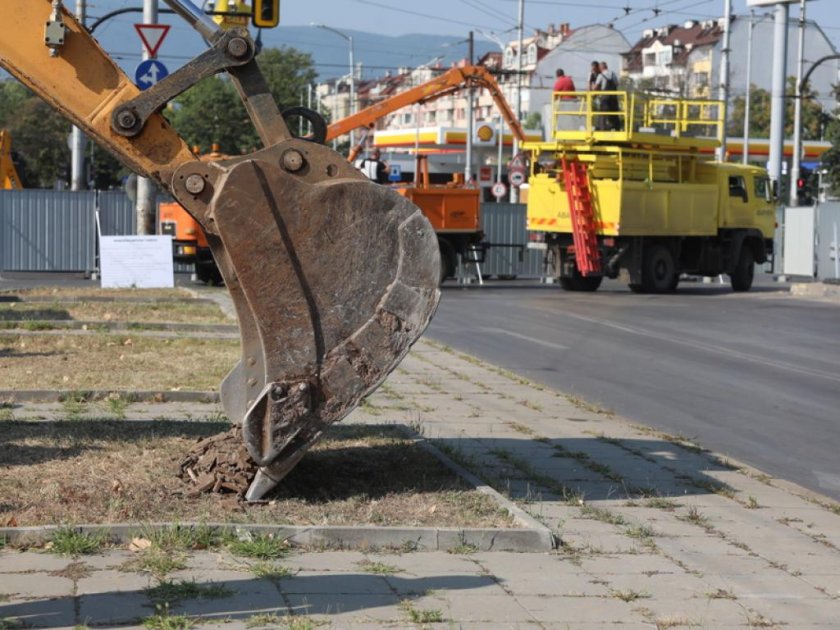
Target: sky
x,y
488,19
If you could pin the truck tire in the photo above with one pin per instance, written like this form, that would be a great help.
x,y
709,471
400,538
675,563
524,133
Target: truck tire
x,y
658,270
742,276
448,261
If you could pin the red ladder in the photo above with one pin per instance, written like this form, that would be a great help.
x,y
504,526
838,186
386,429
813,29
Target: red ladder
x,y
587,256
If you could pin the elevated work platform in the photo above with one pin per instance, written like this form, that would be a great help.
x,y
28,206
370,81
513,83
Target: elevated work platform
x,y
582,120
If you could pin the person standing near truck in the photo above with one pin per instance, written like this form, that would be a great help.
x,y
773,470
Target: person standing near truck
x,y
606,81
375,168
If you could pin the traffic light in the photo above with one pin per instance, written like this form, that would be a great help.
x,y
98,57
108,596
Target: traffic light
x,y
804,196
266,13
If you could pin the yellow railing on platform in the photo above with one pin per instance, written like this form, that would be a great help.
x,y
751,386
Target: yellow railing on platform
x,y
622,116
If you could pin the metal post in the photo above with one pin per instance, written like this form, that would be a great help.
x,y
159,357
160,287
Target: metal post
x,y
146,190
797,110
352,88
468,158
748,98
501,132
777,109
723,92
77,138
514,192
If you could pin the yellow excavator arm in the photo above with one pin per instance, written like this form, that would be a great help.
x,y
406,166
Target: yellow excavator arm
x,y
332,276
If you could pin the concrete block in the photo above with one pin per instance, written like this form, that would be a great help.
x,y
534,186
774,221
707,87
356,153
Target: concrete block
x,y
35,585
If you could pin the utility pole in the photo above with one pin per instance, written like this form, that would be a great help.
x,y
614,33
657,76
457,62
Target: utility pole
x,y
777,104
723,93
514,192
468,157
745,153
77,138
146,191
797,110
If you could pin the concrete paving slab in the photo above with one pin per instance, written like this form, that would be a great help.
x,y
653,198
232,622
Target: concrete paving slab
x,y
39,613
104,609
43,585
13,561
491,609
574,610
337,584
355,608
111,581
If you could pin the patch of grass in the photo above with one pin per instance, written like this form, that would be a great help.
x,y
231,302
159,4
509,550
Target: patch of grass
x,y
368,566
521,428
640,531
67,541
158,562
169,592
752,503
189,538
257,546
423,616
11,623
271,571
74,405
674,621
629,595
263,621
117,404
74,571
7,414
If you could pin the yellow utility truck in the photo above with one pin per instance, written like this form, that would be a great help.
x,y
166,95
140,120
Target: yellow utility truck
x,y
626,186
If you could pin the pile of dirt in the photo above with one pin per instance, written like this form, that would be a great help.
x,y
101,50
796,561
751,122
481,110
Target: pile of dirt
x,y
219,464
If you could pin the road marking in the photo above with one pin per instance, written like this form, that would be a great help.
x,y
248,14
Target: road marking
x,y
539,342
782,365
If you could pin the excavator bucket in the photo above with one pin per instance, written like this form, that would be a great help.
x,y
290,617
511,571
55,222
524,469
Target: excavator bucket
x,y
333,280
333,277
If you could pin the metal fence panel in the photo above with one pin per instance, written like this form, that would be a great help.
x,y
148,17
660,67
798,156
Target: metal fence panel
x,y
799,241
828,240
116,214
47,230
504,224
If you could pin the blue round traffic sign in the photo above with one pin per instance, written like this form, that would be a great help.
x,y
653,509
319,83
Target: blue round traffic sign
x,y
149,72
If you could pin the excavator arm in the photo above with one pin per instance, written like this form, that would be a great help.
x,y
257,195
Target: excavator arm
x,y
333,277
453,80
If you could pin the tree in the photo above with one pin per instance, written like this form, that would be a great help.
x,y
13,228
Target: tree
x,y
830,160
212,113
760,104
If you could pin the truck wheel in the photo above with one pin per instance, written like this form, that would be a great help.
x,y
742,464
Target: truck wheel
x,y
742,276
659,270
577,282
448,262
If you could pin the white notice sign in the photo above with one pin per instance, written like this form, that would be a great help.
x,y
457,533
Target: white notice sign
x,y
144,262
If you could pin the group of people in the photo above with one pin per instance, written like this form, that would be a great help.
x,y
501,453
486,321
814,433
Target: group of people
x,y
601,79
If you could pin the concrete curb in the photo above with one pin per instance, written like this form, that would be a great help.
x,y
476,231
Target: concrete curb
x,y
89,395
815,289
345,538
11,296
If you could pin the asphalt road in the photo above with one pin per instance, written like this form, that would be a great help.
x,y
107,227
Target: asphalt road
x,y
755,376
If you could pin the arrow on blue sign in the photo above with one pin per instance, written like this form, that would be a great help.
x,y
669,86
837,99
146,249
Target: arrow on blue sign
x,y
149,72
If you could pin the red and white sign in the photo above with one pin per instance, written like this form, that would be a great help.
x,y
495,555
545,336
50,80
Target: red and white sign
x,y
499,190
485,174
516,177
152,36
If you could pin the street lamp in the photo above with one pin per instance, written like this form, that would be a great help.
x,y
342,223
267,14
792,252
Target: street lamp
x,y
349,39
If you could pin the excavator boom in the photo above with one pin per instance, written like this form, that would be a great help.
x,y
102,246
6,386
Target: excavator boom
x,y
453,80
345,276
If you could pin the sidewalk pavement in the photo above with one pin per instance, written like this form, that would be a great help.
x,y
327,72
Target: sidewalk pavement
x,y
655,531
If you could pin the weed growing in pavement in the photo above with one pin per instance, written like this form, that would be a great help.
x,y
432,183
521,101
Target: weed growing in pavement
x,y
11,623
629,595
695,517
74,405
184,538
661,503
369,566
74,571
258,546
602,514
463,547
167,592
156,561
117,404
270,571
422,615
521,428
162,620
6,414
67,541
721,594
752,503
640,531
264,620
